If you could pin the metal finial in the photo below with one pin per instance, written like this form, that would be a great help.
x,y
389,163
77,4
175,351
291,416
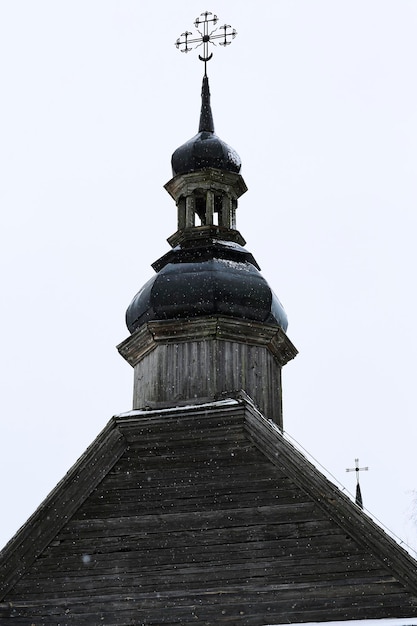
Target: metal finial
x,y
358,469
203,25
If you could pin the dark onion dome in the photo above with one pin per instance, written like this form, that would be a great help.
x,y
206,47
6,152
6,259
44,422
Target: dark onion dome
x,y
205,149
209,280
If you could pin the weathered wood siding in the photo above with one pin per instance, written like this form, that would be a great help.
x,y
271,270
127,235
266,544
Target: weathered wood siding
x,y
177,361
207,369
195,525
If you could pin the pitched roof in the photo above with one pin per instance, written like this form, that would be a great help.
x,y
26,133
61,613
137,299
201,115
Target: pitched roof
x,y
201,514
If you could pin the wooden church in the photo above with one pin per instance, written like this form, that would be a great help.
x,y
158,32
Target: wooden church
x,y
193,508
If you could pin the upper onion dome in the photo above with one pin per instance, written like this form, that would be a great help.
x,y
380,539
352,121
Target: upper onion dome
x,y
205,149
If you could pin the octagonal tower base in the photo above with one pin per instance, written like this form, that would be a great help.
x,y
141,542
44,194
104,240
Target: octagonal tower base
x,y
179,362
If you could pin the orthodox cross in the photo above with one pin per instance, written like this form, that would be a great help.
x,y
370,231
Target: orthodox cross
x,y
207,34
358,469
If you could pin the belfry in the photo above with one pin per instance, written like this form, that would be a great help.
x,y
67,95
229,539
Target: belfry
x,y
194,507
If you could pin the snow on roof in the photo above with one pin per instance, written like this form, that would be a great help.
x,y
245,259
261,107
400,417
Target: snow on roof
x,y
217,403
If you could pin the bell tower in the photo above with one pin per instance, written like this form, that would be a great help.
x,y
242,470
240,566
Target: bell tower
x,y
207,325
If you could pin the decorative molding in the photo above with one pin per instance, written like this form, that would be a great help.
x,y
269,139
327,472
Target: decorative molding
x,y
209,232
148,336
208,178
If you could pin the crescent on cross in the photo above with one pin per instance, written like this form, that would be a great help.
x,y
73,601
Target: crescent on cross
x,y
203,24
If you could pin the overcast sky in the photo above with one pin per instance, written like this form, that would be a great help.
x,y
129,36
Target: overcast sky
x,y
319,98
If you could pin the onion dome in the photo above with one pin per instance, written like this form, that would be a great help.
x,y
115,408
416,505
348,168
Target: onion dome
x,y
205,149
220,278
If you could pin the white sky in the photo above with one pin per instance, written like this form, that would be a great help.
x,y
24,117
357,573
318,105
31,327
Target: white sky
x,y
319,98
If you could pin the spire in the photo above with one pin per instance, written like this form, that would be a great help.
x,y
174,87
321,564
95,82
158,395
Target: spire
x,y
205,149
206,116
358,499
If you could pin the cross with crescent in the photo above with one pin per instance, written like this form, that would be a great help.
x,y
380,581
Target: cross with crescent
x,y
207,35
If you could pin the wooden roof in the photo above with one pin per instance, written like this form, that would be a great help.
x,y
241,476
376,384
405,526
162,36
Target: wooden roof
x,y
200,515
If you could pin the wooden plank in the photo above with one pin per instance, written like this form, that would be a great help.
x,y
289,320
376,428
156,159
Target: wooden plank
x,y
59,506
330,498
205,524
220,607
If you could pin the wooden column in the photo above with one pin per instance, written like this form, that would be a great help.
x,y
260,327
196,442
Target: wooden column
x,y
189,211
182,221
233,213
209,207
226,213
